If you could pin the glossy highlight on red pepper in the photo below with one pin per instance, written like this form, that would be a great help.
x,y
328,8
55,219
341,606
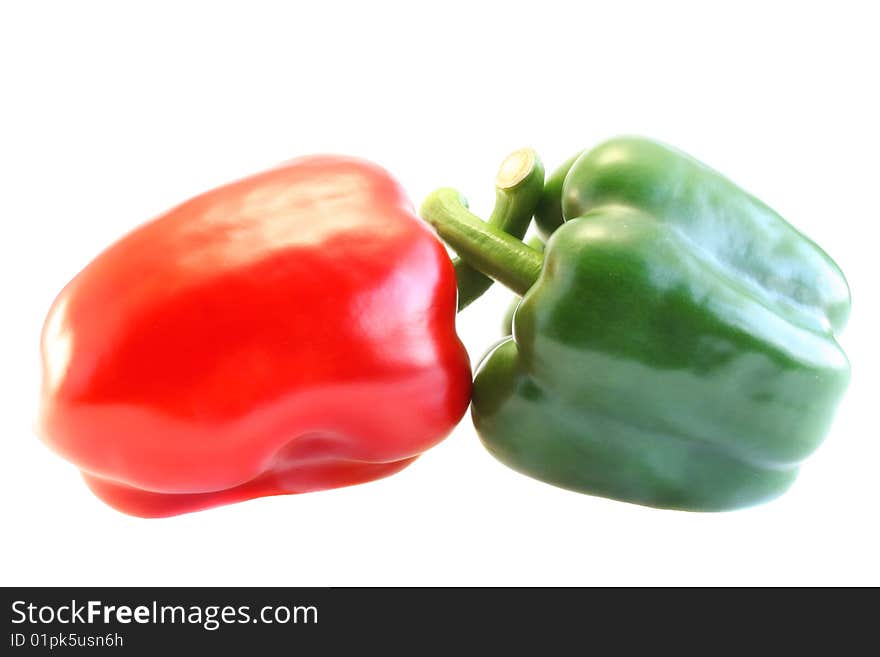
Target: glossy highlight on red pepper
x,y
290,332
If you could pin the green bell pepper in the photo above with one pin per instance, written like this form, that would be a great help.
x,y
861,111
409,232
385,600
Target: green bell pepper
x,y
675,345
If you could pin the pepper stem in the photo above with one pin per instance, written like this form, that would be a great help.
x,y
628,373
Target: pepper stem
x,y
518,187
480,244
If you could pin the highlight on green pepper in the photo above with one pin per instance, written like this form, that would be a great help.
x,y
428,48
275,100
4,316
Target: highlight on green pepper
x,y
675,345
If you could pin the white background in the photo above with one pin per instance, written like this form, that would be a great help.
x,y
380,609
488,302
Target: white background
x,y
111,114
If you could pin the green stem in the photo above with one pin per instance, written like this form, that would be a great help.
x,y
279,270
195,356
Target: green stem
x,y
482,245
518,188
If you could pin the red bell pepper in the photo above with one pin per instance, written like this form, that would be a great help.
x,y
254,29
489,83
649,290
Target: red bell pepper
x,y
290,332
